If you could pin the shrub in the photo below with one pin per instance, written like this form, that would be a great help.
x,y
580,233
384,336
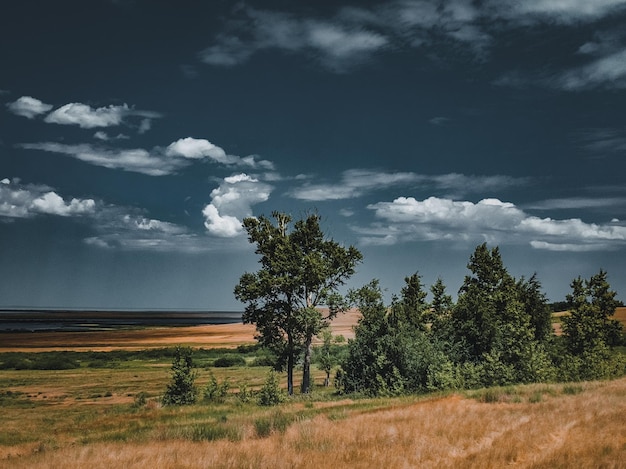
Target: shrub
x,y
228,361
140,400
215,391
244,395
271,394
181,390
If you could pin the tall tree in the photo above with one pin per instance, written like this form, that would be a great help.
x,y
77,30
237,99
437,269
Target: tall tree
x,y
592,303
482,300
300,271
412,308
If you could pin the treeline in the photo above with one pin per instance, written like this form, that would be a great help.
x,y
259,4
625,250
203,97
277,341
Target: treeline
x,y
499,332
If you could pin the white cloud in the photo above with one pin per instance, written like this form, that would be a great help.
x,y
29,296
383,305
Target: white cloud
x,y
357,182
28,107
195,148
352,35
25,201
156,162
101,135
87,117
608,71
231,202
578,203
563,11
136,160
114,227
490,220
335,44
53,204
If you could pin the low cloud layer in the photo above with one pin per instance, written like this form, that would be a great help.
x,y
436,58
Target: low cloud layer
x,y
407,219
357,182
114,227
155,162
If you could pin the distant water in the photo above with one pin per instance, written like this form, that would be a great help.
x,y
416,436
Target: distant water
x,y
64,320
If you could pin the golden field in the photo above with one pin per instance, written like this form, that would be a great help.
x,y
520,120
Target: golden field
x,y
535,426
86,417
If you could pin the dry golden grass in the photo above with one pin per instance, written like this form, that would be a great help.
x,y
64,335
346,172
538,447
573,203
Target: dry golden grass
x,y
210,336
548,428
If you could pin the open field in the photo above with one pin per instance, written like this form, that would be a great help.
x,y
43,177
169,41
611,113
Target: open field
x,y
209,336
92,416
534,426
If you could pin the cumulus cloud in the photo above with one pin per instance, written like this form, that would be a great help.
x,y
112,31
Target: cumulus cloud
x,y
28,107
113,227
25,201
490,220
357,182
231,202
196,148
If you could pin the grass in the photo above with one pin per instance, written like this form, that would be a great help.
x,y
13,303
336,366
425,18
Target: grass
x,y
583,428
110,416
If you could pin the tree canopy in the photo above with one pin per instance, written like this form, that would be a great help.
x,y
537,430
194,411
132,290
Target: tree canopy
x,y
300,270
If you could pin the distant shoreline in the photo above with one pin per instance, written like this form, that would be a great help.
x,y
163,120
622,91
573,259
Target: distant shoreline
x,y
47,320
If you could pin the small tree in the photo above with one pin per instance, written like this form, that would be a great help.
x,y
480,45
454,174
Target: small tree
x,y
181,390
270,394
326,359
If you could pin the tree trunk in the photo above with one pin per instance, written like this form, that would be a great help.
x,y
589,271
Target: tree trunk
x,y
306,375
290,368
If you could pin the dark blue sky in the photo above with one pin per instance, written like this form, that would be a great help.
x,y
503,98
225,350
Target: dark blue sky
x,y
136,135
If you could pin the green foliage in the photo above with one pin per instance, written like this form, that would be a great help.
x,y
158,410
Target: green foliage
x,y
270,393
39,361
244,395
498,333
181,390
229,360
392,352
300,270
215,391
140,400
589,325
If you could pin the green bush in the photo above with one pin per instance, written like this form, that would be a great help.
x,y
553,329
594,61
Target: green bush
x,y
271,394
181,390
215,391
228,361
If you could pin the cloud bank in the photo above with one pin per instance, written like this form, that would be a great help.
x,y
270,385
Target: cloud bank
x,y
26,201
155,162
407,219
357,182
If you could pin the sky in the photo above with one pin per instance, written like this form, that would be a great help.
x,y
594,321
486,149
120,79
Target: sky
x,y
136,135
